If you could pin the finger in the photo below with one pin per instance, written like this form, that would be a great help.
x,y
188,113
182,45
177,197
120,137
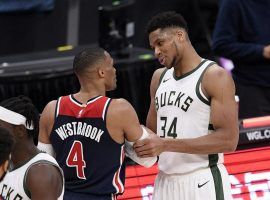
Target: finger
x,y
141,148
147,153
139,143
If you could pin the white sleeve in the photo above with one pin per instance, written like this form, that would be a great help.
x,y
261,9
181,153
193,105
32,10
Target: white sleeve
x,y
146,162
48,148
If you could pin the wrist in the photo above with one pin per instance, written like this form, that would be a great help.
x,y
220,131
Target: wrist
x,y
165,144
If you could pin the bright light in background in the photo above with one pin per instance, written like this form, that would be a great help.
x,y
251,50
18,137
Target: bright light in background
x,y
226,63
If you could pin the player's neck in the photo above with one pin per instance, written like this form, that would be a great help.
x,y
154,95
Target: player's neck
x,y
22,153
190,60
84,95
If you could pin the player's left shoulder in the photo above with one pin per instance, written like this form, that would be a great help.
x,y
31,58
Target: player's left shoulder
x,y
216,71
45,173
216,74
42,177
216,79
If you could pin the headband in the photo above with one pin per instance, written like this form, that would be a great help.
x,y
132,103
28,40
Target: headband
x,y
14,118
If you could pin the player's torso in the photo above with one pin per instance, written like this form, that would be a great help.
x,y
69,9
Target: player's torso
x,y
90,158
183,111
13,186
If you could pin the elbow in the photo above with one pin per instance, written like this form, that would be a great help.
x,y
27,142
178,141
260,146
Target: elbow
x,y
229,147
231,143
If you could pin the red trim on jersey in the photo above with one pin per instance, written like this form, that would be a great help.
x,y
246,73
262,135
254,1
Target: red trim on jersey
x,y
116,179
91,110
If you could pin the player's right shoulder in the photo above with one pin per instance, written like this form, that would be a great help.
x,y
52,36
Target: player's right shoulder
x,y
156,79
157,75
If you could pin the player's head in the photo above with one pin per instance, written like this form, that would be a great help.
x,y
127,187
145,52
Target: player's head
x,y
95,63
20,117
167,36
6,144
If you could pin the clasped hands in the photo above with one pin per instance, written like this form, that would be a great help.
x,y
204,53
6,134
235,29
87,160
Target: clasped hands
x,y
149,147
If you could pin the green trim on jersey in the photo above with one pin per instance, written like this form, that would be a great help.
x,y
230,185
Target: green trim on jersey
x,y
25,162
211,127
161,76
218,182
27,192
213,159
207,102
190,72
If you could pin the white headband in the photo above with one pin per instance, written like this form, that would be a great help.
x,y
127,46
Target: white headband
x,y
14,118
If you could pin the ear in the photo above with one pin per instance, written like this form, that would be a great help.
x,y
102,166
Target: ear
x,y
101,72
20,131
180,34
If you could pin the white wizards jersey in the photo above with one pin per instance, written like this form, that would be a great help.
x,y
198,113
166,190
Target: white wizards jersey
x,y
183,111
13,186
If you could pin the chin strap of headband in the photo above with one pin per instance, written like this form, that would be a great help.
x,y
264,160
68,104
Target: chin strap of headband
x,y
14,118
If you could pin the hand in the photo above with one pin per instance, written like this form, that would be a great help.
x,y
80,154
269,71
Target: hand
x,y
149,147
266,52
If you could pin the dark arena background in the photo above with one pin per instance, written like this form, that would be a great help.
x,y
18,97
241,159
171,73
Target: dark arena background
x,y
38,42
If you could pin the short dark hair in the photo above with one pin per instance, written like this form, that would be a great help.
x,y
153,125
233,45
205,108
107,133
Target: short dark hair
x,y
166,20
24,106
87,58
6,144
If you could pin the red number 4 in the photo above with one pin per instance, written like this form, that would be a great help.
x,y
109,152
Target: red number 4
x,y
75,159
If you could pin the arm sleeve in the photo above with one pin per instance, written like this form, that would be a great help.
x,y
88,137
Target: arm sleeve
x,y
146,162
47,148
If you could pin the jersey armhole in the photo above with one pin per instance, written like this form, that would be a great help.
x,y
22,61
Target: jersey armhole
x,y
27,192
105,110
162,75
199,91
57,107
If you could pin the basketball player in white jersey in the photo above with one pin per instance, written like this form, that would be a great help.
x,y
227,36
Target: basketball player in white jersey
x,y
194,113
33,174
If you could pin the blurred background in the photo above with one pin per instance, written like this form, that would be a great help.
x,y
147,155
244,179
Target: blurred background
x,y
38,41
37,25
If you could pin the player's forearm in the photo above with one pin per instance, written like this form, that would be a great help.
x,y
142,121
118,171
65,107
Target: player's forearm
x,y
209,144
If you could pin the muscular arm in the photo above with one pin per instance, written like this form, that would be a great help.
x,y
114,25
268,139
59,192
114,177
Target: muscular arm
x,y
46,122
123,125
223,117
44,182
45,126
151,120
220,87
122,118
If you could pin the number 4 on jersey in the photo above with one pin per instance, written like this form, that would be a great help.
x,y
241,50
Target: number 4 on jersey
x,y
75,159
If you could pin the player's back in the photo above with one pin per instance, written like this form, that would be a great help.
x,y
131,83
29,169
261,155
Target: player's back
x,y
90,158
